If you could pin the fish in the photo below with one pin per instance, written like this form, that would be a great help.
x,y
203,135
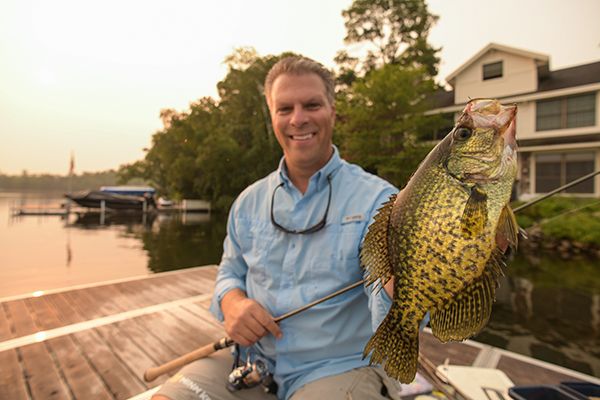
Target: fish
x,y
444,238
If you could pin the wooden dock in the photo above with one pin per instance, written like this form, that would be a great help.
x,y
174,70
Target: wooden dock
x,y
95,342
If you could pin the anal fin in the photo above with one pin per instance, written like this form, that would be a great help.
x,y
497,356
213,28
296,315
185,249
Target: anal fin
x,y
470,309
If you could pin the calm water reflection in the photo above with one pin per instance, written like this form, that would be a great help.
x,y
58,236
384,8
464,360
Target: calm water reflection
x,y
545,307
46,252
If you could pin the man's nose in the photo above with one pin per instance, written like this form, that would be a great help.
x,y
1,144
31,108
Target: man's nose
x,y
299,117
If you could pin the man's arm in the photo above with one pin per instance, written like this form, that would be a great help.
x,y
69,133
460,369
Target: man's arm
x,y
245,320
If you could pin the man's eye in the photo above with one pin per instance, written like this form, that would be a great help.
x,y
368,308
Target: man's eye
x,y
284,110
313,106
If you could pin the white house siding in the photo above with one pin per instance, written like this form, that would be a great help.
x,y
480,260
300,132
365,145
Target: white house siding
x,y
519,84
519,76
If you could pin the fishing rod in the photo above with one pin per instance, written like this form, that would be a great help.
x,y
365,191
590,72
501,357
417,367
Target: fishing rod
x,y
204,351
557,190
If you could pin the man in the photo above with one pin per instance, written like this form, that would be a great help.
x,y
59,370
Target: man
x,y
293,237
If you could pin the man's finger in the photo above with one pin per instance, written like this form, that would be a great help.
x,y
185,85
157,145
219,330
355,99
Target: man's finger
x,y
270,325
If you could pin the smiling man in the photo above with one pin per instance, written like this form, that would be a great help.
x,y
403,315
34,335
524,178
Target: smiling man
x,y
294,237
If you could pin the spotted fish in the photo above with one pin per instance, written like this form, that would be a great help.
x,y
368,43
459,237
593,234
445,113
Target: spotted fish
x,y
443,237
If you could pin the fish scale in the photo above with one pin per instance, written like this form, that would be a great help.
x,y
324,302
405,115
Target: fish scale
x,y
438,238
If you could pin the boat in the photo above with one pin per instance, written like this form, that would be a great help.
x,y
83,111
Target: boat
x,y
133,198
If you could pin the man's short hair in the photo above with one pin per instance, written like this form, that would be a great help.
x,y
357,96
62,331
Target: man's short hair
x,y
298,65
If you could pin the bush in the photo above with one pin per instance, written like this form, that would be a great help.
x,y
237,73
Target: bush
x,y
570,218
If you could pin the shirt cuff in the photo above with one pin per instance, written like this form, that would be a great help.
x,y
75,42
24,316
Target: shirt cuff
x,y
221,288
380,305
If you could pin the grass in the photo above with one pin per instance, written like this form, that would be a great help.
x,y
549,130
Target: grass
x,y
575,219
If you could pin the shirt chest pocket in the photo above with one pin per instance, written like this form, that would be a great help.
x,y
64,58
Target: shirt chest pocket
x,y
257,238
348,241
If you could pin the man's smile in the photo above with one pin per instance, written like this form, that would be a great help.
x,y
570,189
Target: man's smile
x,y
302,136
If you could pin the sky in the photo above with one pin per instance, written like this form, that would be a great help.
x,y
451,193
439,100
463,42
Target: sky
x,y
89,78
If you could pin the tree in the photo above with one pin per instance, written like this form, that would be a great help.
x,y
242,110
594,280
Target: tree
x,y
378,117
218,147
391,32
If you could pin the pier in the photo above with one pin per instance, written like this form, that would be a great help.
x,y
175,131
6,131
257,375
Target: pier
x,y
95,341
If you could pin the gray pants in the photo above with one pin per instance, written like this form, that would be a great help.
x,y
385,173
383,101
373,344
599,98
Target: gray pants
x,y
206,380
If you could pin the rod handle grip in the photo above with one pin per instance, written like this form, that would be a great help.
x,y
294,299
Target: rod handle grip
x,y
152,373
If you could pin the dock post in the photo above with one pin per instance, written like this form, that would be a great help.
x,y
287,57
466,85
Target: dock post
x,y
102,211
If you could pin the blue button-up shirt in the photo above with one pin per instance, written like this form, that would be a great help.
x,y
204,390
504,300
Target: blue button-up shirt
x,y
284,271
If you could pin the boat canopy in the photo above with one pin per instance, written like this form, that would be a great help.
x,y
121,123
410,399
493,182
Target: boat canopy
x,y
129,190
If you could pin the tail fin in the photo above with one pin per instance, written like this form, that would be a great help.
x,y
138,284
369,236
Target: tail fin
x,y
396,347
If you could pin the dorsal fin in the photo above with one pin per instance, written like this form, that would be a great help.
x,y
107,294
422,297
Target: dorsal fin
x,y
374,254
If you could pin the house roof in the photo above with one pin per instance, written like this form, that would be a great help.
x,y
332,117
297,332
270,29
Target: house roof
x,y
541,59
553,80
570,77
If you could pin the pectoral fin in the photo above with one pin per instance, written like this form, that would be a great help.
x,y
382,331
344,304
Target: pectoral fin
x,y
507,234
474,215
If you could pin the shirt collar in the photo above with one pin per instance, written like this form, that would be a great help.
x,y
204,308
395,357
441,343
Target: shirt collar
x,y
320,177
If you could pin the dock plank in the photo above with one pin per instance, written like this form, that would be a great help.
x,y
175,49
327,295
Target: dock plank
x,y
83,382
135,358
20,319
12,382
122,383
61,306
156,348
44,317
42,375
5,326
83,303
177,339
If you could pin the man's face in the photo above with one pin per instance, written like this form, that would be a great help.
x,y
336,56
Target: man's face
x,y
303,120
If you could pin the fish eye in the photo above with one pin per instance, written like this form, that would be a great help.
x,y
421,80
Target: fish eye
x,y
462,133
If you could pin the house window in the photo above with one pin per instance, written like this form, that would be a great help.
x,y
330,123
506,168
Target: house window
x,y
553,170
566,112
492,70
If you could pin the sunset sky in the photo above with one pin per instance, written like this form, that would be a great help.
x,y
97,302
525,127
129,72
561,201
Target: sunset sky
x,y
90,77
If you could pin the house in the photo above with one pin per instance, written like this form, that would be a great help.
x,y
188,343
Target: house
x,y
558,125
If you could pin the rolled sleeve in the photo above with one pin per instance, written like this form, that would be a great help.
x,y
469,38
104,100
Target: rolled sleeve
x,y
232,269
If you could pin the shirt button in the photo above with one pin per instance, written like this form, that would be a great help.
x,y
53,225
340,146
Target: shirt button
x,y
293,245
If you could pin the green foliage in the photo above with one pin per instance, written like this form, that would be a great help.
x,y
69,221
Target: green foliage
x,y
217,148
378,117
392,31
562,217
221,146
577,227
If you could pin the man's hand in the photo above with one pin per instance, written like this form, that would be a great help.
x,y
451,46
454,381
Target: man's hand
x,y
246,321
389,288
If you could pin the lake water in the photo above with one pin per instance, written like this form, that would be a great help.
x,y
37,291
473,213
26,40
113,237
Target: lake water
x,y
546,307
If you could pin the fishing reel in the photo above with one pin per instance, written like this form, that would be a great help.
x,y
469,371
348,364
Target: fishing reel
x,y
251,374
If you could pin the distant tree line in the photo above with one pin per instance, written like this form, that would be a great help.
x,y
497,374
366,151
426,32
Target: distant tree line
x,y
56,183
